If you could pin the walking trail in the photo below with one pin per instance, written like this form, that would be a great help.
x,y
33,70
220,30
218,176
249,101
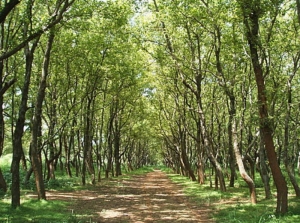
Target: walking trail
x,y
146,198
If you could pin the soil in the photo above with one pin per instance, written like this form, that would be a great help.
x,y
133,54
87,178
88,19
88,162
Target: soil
x,y
146,198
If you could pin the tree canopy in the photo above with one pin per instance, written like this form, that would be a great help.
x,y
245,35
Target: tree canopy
x,y
103,86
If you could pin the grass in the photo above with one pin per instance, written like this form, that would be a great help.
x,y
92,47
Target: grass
x,y
35,211
233,206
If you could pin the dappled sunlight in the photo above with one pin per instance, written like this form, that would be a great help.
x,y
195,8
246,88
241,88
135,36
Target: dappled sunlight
x,y
143,198
111,213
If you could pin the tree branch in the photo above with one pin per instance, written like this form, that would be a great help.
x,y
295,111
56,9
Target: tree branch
x,y
55,19
7,9
6,86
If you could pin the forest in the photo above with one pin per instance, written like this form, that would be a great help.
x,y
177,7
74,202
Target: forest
x,y
95,89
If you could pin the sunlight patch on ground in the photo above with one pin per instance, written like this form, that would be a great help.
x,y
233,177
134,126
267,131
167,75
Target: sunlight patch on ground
x,y
56,195
111,213
129,195
157,199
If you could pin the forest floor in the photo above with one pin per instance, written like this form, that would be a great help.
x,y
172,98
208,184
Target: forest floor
x,y
145,198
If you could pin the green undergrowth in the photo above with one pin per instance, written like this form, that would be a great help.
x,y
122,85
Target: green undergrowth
x,y
234,205
35,211
139,171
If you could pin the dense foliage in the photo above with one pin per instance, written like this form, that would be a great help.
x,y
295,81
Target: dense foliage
x,y
204,87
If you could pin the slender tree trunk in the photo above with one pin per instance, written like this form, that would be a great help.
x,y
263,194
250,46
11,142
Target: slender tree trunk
x,y
298,9
240,164
235,146
51,162
88,155
3,185
231,109
18,132
201,160
185,161
287,163
52,151
209,150
298,163
117,152
251,22
110,142
68,147
101,124
84,163
263,170
231,153
37,123
117,139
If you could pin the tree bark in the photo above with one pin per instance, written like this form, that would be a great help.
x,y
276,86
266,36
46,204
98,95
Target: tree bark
x,y
51,148
19,129
37,122
240,164
298,9
200,155
286,144
87,150
3,184
251,12
117,138
263,169
8,7
110,142
231,109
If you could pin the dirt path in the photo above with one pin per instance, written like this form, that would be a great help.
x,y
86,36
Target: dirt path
x,y
142,199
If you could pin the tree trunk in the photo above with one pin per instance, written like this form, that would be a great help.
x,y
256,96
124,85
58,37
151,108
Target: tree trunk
x,y
208,145
251,22
28,175
51,150
110,143
287,163
50,163
8,7
100,138
298,163
19,129
88,153
231,154
37,122
68,146
3,185
117,157
186,163
240,164
117,139
263,170
298,10
200,164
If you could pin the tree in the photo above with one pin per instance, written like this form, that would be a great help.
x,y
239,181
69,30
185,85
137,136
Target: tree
x,y
228,86
251,15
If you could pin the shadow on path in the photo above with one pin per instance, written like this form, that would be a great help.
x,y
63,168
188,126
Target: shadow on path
x,y
141,199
